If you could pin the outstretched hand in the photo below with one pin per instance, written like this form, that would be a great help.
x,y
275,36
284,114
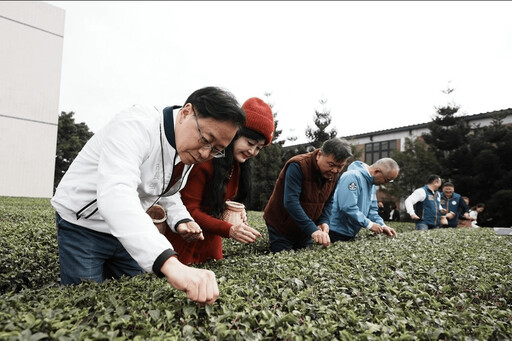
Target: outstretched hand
x,y
390,232
321,237
376,228
199,284
244,233
190,231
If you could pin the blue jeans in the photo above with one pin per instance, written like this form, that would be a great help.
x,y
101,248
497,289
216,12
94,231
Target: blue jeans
x,y
278,242
423,226
85,254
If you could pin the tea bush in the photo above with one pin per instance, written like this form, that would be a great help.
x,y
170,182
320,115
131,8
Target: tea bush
x,y
29,256
442,284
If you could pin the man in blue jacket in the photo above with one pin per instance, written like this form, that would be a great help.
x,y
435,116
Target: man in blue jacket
x,y
453,205
355,199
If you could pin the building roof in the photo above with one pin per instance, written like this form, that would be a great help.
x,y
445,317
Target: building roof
x,y
468,118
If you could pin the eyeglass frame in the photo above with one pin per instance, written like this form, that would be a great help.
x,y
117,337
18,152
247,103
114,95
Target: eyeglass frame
x,y
386,181
216,153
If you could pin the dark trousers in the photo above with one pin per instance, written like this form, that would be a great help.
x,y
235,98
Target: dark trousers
x,y
279,243
338,237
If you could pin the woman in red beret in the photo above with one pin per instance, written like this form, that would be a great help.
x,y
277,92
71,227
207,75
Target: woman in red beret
x,y
220,180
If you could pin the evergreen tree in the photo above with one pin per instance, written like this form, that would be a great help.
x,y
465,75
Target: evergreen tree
x,y
267,166
293,149
497,209
71,137
416,163
322,121
357,155
448,139
489,180
357,152
277,132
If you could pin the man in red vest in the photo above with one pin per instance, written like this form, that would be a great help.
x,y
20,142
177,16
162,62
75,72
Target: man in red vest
x,y
299,208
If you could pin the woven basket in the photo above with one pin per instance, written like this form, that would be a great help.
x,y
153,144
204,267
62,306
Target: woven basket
x,y
234,212
159,216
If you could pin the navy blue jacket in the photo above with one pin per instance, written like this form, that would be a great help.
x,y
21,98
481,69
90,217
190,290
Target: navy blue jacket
x,y
456,205
428,210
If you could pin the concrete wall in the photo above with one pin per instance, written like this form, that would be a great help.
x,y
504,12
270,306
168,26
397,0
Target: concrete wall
x,y
31,36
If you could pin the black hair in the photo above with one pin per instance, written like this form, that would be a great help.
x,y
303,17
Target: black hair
x,y
448,184
218,104
222,168
252,134
222,171
432,178
338,148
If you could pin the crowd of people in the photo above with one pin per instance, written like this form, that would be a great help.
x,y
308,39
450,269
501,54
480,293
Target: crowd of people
x,y
432,208
190,161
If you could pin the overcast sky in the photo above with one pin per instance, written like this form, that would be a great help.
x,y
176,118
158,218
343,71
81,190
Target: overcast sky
x,y
379,65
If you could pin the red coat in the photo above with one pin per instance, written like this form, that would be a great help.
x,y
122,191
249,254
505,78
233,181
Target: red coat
x,y
195,197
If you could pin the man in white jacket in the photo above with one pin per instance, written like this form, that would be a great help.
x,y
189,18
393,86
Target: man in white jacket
x,y
141,157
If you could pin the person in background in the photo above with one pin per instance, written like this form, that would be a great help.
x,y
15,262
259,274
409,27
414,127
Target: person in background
x,y
299,208
355,199
466,200
463,221
475,212
219,180
452,205
424,204
394,214
382,211
142,157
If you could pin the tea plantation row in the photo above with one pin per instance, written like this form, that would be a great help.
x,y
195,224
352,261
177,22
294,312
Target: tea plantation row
x,y
443,284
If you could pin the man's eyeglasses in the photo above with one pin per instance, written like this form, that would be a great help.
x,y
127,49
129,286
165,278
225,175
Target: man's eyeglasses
x,y
386,180
207,145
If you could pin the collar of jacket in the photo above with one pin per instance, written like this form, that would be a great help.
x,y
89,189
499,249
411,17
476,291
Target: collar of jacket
x,y
169,124
364,170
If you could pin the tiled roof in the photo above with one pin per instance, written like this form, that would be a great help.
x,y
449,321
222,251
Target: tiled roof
x,y
469,118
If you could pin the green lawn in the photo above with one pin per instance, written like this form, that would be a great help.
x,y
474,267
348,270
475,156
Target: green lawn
x,y
442,284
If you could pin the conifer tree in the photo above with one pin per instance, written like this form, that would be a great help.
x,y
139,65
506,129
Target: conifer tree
x,y
489,180
448,139
416,163
71,137
322,120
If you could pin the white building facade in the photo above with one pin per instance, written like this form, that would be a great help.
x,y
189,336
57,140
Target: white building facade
x,y
31,46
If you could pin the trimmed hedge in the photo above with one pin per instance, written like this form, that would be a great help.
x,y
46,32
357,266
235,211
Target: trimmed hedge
x,y
442,284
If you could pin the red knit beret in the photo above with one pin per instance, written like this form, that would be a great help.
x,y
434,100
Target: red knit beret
x,y
259,118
